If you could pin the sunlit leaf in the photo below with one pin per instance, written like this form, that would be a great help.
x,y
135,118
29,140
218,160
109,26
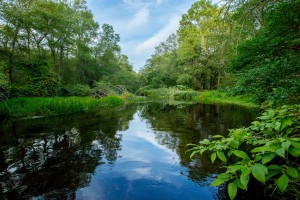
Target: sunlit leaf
x,y
213,157
221,156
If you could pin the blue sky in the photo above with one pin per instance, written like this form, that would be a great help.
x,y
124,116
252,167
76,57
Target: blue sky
x,y
142,24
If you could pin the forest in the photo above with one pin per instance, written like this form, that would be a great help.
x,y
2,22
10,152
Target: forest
x,y
242,47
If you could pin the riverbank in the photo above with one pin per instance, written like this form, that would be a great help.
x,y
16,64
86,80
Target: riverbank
x,y
215,96
206,96
48,106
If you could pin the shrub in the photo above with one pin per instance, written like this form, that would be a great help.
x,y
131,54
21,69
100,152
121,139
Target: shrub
x,y
267,151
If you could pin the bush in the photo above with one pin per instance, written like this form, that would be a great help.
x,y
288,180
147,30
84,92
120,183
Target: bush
x,y
267,151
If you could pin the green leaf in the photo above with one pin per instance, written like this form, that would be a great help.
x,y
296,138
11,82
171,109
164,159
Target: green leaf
x,y
267,158
294,152
217,136
192,154
296,144
221,156
241,154
235,144
285,123
283,182
292,172
232,190
218,181
280,152
274,167
205,141
258,172
286,144
213,157
245,176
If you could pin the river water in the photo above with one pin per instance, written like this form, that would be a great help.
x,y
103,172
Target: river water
x,y
132,152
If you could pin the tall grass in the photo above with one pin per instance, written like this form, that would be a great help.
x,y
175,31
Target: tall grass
x,y
215,96
41,106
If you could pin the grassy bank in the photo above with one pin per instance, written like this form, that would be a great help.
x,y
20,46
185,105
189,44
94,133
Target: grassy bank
x,y
171,93
215,96
44,106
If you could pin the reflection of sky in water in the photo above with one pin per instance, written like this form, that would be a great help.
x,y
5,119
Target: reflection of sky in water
x,y
144,170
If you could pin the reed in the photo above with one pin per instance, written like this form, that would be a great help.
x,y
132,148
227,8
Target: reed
x,y
44,106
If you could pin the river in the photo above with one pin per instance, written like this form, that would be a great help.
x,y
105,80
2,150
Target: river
x,y
137,151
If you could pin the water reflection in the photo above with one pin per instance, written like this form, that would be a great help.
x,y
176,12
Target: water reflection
x,y
135,152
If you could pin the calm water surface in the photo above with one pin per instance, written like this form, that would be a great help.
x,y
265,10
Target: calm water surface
x,y
133,152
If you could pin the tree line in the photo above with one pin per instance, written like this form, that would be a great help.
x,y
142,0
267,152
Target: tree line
x,y
54,47
243,46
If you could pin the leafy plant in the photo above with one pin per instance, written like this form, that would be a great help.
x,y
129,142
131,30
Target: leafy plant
x,y
267,151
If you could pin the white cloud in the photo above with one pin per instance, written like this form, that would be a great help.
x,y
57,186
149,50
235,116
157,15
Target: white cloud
x,y
140,18
158,37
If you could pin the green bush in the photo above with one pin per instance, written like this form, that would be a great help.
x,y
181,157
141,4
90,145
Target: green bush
x,y
267,151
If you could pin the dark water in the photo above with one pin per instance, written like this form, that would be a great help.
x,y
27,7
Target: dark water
x,y
134,152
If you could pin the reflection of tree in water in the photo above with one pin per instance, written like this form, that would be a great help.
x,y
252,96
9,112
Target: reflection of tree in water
x,y
56,163
176,126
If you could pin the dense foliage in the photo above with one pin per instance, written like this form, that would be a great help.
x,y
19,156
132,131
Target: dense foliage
x,y
267,151
244,46
48,47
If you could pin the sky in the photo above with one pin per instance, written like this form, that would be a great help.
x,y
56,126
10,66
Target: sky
x,y
141,24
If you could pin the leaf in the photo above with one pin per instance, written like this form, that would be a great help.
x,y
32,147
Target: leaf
x,y
274,167
292,172
205,141
217,136
262,149
245,176
235,144
267,158
286,144
193,153
280,152
283,182
221,156
241,154
294,152
218,181
296,144
213,157
285,123
258,172
232,190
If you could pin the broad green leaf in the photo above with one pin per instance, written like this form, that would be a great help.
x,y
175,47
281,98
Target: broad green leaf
x,y
286,144
292,172
221,156
193,153
280,152
234,168
283,182
205,141
258,172
218,181
241,154
285,123
267,158
245,176
294,152
262,149
257,158
213,157
296,144
232,190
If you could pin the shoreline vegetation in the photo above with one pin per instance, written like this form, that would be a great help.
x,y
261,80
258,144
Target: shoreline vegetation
x,y
18,108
